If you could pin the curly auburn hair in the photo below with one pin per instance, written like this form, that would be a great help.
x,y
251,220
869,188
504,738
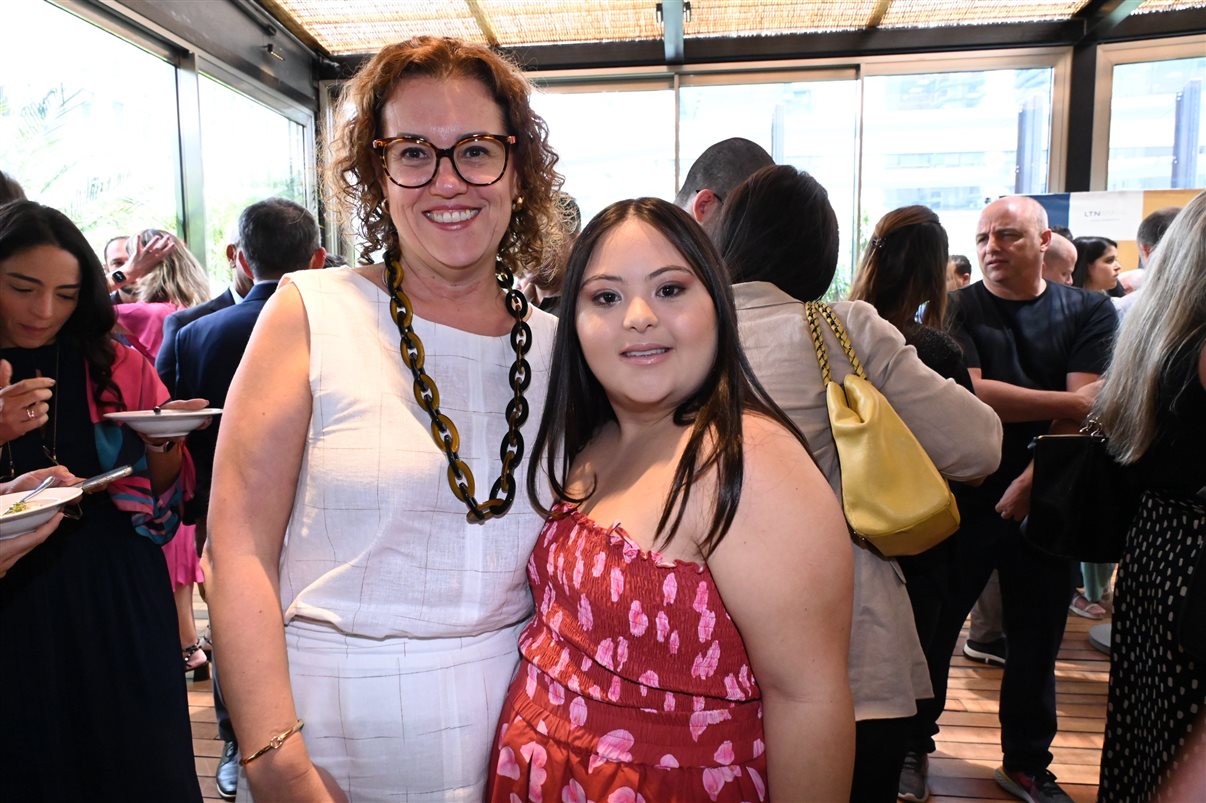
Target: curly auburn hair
x,y
352,174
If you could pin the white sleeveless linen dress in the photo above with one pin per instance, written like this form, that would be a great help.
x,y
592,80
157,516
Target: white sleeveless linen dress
x,y
402,617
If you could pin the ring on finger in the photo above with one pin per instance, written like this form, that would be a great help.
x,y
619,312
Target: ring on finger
x,y
30,414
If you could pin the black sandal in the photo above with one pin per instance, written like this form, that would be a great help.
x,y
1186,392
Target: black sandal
x,y
198,666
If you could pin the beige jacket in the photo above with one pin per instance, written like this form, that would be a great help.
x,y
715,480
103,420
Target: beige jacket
x,y
961,434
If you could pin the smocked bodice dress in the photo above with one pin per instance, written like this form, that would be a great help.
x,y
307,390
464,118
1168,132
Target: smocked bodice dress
x,y
634,684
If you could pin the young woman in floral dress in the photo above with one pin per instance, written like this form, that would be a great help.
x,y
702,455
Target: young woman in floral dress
x,y
689,523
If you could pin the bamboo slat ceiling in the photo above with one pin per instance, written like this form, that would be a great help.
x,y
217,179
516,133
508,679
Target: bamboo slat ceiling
x,y
351,27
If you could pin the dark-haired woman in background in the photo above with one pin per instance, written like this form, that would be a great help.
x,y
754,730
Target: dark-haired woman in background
x,y
1097,265
778,235
92,698
903,275
658,666
1151,404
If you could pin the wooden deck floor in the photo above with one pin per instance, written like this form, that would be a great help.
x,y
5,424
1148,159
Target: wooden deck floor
x,y
968,747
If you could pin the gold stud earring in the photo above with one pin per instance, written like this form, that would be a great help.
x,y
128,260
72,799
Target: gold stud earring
x,y
517,204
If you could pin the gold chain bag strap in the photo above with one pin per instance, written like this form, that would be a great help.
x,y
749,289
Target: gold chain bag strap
x,y
893,496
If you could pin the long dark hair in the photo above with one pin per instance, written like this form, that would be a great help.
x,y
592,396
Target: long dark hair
x,y
577,405
25,225
1088,251
779,227
904,267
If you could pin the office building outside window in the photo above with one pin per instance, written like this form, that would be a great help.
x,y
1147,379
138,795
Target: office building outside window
x,y
1158,125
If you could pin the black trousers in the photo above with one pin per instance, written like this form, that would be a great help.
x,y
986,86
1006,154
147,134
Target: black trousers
x,y
879,750
225,729
1035,592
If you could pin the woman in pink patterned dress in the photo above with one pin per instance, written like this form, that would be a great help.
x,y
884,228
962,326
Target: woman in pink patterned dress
x,y
689,525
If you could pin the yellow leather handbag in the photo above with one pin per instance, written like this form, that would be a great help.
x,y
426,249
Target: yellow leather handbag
x,y
894,498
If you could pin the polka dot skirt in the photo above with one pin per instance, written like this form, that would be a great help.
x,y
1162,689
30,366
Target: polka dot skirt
x,y
1157,690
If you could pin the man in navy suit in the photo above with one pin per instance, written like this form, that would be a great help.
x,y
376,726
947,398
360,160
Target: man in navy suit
x,y
240,285
276,237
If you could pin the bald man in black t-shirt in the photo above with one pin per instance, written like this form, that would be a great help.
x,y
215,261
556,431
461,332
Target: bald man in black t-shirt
x,y
1034,350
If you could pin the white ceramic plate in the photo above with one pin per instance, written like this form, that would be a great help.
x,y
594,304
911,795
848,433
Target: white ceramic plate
x,y
40,509
166,423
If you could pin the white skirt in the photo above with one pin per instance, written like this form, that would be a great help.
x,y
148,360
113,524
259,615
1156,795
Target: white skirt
x,y
400,719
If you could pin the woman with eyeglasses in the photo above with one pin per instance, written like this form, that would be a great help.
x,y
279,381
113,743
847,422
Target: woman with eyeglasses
x,y
368,528
92,700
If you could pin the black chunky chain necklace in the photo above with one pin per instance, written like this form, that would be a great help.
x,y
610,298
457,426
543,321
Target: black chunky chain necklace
x,y
443,431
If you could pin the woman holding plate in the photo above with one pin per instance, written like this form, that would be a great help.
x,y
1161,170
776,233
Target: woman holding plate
x,y
90,664
368,531
13,547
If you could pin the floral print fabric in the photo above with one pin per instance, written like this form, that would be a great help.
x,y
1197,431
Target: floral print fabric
x,y
634,684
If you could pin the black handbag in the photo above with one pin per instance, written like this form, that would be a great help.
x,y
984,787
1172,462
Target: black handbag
x,y
1082,502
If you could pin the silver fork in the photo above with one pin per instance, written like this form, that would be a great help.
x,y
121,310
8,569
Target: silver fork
x,y
42,486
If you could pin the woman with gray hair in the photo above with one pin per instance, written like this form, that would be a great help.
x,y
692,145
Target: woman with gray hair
x,y
1151,405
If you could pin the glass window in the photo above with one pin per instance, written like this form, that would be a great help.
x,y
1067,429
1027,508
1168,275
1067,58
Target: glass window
x,y
612,145
812,125
953,141
1158,125
91,131
248,153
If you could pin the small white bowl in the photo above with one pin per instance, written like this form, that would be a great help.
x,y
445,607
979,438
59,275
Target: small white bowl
x,y
165,423
39,511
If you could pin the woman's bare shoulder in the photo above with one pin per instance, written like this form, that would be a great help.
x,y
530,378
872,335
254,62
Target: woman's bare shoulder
x,y
761,433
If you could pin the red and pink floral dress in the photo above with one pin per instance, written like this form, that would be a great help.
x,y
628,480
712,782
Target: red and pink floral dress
x,y
634,684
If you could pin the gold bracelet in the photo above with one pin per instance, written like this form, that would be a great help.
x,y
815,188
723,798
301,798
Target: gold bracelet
x,y
274,743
